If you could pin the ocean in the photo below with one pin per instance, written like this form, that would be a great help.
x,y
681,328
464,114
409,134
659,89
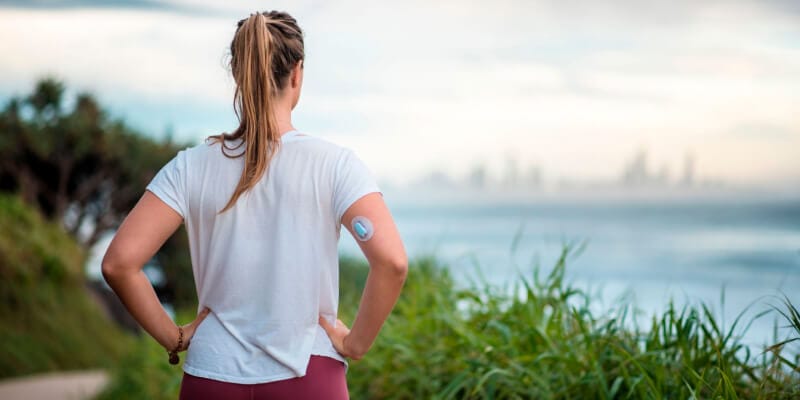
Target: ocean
x,y
647,252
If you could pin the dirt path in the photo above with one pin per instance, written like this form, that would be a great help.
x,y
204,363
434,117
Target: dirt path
x,y
71,385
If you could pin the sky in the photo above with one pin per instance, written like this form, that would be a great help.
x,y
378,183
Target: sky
x,y
574,88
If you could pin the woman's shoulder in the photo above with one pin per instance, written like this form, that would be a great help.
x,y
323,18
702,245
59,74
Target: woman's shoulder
x,y
190,154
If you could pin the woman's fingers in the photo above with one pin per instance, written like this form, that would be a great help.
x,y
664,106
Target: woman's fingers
x,y
190,328
336,333
201,316
339,329
325,325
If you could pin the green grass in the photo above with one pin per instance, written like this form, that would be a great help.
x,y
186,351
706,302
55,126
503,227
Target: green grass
x,y
538,338
548,344
445,342
47,320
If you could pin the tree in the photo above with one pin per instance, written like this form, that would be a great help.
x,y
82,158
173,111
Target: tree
x,y
75,166
83,169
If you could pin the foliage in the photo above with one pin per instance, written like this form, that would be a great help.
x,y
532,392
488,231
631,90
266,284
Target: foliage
x,y
47,319
84,170
75,165
445,342
544,342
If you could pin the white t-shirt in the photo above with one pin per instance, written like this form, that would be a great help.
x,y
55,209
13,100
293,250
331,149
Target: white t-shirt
x,y
269,266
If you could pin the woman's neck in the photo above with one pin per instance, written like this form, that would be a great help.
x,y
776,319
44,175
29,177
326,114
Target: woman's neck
x,y
283,116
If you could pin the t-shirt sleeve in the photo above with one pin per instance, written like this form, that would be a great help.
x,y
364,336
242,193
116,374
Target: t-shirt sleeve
x,y
169,184
353,181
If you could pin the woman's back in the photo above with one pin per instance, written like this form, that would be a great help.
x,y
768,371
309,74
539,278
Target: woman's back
x,y
263,215
267,267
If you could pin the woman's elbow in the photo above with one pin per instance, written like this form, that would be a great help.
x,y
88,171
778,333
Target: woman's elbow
x,y
112,267
399,267
108,268
391,266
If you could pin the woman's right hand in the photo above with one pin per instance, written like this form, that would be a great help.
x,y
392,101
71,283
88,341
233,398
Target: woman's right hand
x,y
338,335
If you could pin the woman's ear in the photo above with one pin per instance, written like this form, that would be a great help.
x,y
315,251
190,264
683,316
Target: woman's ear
x,y
297,74
296,82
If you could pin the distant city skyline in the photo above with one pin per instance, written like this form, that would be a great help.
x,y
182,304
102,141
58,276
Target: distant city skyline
x,y
638,172
570,91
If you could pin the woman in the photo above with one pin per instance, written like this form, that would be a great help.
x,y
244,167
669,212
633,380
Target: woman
x,y
263,208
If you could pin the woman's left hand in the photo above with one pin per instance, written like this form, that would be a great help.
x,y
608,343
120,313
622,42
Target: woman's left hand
x,y
190,328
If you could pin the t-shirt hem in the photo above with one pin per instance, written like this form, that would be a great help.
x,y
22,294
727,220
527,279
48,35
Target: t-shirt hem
x,y
251,380
358,196
235,379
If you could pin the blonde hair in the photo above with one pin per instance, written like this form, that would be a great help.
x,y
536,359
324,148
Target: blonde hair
x,y
264,50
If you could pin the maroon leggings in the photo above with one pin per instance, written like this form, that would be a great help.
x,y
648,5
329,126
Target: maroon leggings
x,y
324,379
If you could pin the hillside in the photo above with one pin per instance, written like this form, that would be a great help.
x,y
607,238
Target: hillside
x,y
48,321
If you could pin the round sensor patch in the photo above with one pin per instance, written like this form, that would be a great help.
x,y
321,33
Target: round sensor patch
x,y
362,228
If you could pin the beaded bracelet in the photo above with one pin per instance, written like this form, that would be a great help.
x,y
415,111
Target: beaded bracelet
x,y
173,355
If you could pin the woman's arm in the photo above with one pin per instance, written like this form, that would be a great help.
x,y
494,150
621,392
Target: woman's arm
x,y
387,273
142,233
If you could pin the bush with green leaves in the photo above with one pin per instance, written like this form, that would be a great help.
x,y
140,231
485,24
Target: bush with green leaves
x,y
538,340
85,170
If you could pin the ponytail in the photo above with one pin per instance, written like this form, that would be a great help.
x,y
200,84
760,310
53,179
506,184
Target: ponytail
x,y
255,51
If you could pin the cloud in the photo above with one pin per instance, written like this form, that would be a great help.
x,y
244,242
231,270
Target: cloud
x,y
764,131
73,4
61,4
116,5
152,54
576,87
